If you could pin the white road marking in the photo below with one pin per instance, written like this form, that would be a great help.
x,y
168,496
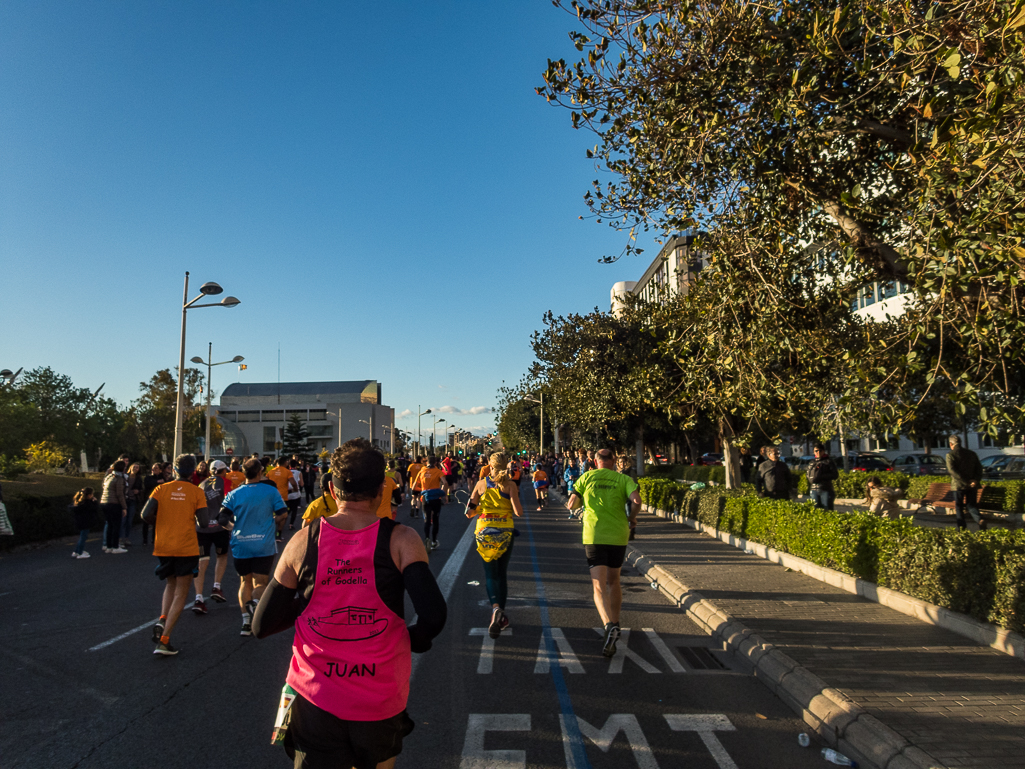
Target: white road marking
x,y
447,578
623,653
664,650
121,637
487,649
614,724
567,657
474,755
706,725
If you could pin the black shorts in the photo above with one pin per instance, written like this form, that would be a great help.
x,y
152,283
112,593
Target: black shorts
x,y
177,566
605,555
261,565
220,540
317,739
396,497
451,480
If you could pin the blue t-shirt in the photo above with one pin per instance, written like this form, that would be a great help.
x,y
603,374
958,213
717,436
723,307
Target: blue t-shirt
x,y
254,506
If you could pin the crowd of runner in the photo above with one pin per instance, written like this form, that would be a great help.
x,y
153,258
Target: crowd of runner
x,y
341,585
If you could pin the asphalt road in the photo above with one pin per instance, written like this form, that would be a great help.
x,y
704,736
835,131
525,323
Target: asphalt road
x,y
540,696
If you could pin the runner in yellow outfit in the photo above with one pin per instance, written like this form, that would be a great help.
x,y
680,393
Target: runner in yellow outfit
x,y
495,500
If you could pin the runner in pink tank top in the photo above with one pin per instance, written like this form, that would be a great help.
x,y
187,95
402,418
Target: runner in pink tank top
x,y
341,584
351,652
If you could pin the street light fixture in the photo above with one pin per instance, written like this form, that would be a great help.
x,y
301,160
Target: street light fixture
x,y
9,376
419,444
368,424
541,444
207,289
209,388
435,433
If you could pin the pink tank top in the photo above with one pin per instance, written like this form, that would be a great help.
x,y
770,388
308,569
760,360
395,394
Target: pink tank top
x,y
350,655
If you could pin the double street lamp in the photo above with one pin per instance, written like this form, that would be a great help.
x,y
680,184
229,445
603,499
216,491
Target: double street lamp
x,y
209,388
7,376
419,444
207,289
541,444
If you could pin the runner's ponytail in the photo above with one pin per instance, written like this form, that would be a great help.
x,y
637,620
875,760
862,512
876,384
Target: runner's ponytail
x,y
499,469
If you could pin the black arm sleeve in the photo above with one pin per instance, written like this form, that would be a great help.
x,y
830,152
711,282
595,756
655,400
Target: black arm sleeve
x,y
278,609
225,516
430,607
203,517
149,511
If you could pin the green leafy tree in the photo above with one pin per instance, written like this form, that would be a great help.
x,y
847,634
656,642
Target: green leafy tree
x,y
881,136
295,439
155,411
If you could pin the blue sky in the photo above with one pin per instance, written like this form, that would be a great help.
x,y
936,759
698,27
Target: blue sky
x,y
377,182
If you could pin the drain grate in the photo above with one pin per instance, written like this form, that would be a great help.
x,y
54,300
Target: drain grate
x,y
700,658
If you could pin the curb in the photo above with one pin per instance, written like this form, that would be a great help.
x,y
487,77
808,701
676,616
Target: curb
x,y
834,716
983,633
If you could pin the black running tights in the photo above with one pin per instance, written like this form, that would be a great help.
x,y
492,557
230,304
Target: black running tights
x,y
432,517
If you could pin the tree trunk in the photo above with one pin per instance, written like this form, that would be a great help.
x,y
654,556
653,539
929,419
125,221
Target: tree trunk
x,y
690,449
730,455
843,442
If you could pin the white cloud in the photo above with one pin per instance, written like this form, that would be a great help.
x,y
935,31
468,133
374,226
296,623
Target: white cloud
x,y
405,414
475,411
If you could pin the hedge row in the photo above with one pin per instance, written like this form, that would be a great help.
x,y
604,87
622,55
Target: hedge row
x,y
981,574
696,473
41,515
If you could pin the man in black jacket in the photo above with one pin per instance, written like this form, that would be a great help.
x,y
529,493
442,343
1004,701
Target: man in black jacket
x,y
965,472
773,478
821,474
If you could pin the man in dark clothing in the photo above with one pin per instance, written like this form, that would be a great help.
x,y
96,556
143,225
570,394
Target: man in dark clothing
x,y
747,464
965,473
773,478
821,474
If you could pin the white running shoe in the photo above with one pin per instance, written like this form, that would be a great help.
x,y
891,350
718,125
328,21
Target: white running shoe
x,y
83,554
118,550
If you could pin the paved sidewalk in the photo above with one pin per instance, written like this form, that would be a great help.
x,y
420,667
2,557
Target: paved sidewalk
x,y
962,703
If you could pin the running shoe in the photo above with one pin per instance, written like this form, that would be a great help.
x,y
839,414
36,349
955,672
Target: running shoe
x,y
247,629
158,630
495,628
199,607
251,605
611,636
504,624
434,544
218,595
117,550
106,549
165,650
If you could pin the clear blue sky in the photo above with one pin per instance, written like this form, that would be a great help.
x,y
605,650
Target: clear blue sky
x,y
378,183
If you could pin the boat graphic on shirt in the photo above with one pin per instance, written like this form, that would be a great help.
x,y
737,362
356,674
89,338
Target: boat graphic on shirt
x,y
349,623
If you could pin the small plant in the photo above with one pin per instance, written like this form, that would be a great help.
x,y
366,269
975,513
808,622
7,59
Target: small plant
x,y
44,457
11,467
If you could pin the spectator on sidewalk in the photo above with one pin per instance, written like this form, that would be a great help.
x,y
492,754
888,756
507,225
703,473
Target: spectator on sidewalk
x,y
747,464
965,473
773,479
821,474
149,485
114,503
882,500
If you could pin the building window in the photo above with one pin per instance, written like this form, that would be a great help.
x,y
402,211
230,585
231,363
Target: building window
x,y
936,442
227,416
248,416
318,415
277,415
320,431
1004,440
886,443
270,438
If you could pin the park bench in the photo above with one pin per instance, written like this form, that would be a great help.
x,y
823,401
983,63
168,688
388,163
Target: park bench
x,y
942,495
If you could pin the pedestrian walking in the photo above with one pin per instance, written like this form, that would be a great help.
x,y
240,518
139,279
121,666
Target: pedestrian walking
x,y
604,494
821,474
965,473
149,485
83,510
114,504
213,536
773,479
134,498
495,500
348,627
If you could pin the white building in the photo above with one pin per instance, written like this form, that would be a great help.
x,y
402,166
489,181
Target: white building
x,y
670,273
253,416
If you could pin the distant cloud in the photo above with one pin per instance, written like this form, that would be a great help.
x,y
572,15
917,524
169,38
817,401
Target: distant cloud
x,y
405,414
475,411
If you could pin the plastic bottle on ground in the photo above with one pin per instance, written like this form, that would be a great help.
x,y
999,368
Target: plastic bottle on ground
x,y
837,758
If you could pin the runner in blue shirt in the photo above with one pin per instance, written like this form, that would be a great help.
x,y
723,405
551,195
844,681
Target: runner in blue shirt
x,y
570,476
252,513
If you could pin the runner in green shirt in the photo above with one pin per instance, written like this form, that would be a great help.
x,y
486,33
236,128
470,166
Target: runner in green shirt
x,y
604,495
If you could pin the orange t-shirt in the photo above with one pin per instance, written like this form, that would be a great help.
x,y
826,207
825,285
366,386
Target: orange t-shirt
x,y
412,471
237,478
384,510
281,476
485,471
175,532
429,478
540,475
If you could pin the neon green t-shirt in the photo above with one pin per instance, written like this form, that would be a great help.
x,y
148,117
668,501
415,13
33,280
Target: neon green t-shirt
x,y
605,494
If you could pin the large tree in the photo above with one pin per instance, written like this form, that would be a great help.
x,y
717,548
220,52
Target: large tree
x,y
882,136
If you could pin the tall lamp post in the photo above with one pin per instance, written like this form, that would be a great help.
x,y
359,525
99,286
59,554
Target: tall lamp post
x,y
209,388
419,443
435,433
368,424
451,427
207,289
9,376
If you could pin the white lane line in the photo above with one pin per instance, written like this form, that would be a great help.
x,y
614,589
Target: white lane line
x,y
447,578
115,639
663,649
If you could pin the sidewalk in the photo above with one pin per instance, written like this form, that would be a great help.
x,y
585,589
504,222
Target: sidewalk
x,y
961,703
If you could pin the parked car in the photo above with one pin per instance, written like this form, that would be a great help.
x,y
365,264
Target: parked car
x,y
996,461
1011,470
710,459
920,464
870,463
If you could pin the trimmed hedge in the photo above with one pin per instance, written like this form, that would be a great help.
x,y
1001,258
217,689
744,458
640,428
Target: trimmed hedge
x,y
981,574
37,507
851,485
695,473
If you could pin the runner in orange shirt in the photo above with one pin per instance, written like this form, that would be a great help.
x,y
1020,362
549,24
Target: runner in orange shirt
x,y
540,479
236,476
414,496
430,481
282,477
175,509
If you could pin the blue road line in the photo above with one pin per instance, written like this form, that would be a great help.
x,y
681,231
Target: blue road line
x,y
576,739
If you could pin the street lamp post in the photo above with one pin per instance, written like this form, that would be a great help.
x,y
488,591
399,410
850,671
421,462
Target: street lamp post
x,y
8,376
434,435
209,388
371,426
541,443
451,427
207,289
419,443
